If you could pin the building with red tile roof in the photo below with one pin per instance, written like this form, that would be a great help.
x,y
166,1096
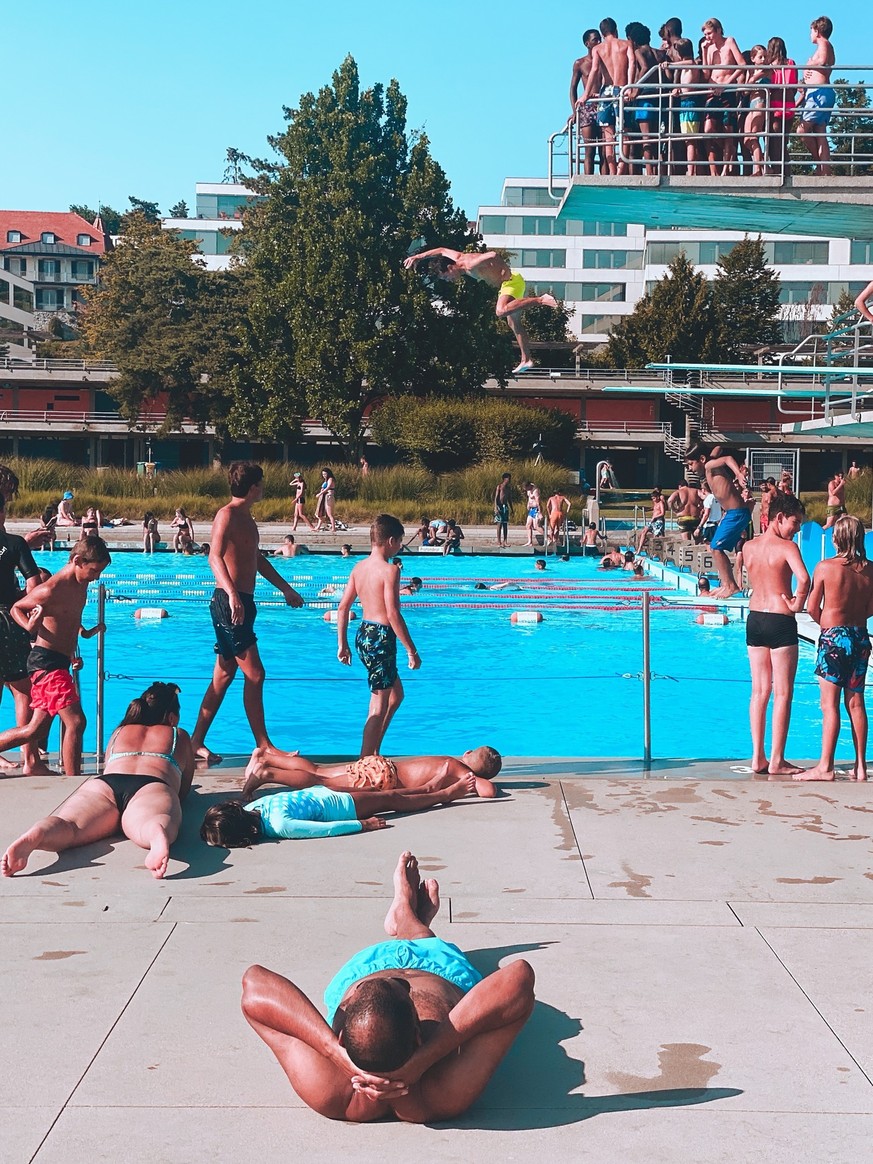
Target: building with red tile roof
x,y
58,252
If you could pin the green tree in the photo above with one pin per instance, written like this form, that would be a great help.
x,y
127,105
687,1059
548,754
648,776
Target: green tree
x,y
111,218
336,323
180,210
149,210
674,319
171,326
851,129
745,299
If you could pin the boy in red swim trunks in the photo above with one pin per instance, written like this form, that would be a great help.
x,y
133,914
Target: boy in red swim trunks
x,y
52,612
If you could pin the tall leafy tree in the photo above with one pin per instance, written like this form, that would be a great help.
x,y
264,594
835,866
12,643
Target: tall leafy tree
x,y
111,218
674,319
180,210
170,325
335,321
745,299
149,210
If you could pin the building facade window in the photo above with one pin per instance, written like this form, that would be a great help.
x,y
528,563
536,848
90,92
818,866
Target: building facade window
x,y
15,264
48,269
22,299
612,260
49,298
48,236
547,225
82,269
13,236
540,258
598,324
861,250
5,291
791,254
83,240
527,196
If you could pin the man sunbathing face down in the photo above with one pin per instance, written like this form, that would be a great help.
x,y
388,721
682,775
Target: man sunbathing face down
x,y
412,1030
374,773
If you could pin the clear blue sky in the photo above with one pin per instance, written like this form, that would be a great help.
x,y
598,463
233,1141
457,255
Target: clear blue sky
x,y
114,99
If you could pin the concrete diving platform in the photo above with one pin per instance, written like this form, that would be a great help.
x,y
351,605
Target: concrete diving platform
x,y
840,207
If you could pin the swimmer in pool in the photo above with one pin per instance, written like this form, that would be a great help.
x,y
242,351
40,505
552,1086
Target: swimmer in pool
x,y
413,1030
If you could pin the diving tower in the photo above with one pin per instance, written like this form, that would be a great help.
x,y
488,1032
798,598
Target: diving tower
x,y
838,207
652,183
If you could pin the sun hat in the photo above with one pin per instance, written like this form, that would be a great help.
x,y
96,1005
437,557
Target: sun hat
x,y
68,496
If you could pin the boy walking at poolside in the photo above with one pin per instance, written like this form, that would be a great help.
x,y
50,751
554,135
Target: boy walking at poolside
x,y
377,583
52,612
771,629
841,601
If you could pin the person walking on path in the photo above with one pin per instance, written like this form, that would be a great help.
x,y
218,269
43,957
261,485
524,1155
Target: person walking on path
x,y
235,560
376,581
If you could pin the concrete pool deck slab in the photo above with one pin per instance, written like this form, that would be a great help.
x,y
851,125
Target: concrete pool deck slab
x,y
695,1000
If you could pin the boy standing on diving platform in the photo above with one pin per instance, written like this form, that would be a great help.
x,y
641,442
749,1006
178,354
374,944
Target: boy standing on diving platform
x,y
489,268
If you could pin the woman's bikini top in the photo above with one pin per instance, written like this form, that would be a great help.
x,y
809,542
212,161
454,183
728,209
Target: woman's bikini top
x,y
170,758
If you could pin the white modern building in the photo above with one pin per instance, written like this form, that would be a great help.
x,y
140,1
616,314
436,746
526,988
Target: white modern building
x,y
602,269
218,209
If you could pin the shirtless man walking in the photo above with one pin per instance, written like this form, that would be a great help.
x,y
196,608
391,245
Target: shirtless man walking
x,y
841,602
412,1030
721,123
836,499
236,560
376,773
489,268
613,66
771,629
684,501
586,111
820,97
723,474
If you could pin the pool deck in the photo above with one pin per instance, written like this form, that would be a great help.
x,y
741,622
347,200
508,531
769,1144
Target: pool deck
x,y
702,943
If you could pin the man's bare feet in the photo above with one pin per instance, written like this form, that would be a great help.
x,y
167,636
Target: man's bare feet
x,y
206,758
7,765
428,901
39,768
465,786
255,773
784,769
816,773
406,886
16,856
725,592
158,856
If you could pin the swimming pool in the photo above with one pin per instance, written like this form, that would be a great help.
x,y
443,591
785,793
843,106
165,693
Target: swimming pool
x,y
568,686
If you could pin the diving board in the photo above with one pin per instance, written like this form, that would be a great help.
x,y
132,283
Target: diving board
x,y
809,205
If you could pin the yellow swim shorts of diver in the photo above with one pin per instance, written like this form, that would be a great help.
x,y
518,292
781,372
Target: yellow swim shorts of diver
x,y
513,286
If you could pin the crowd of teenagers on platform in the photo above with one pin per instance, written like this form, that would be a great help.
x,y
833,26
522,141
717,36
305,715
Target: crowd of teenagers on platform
x,y
704,107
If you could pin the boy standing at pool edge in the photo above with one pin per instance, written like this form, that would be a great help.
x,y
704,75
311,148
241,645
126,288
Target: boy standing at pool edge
x,y
771,630
376,581
841,602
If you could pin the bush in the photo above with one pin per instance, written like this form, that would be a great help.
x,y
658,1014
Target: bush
x,y
443,435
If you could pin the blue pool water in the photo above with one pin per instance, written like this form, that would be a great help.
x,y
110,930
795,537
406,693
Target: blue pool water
x,y
567,686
